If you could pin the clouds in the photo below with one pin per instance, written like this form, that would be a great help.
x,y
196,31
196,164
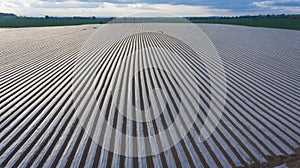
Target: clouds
x,y
286,3
233,5
103,8
64,4
125,7
279,6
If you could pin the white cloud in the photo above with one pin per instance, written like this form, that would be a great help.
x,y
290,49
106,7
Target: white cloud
x,y
79,8
64,4
279,6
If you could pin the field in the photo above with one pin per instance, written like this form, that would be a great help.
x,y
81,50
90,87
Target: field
x,y
41,22
283,23
57,82
293,24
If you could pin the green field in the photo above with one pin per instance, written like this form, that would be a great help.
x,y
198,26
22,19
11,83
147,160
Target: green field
x,y
40,22
273,22
293,24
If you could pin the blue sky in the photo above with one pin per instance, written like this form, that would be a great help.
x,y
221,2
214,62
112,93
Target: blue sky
x,y
127,7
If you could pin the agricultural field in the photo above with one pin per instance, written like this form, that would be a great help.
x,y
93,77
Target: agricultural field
x,y
293,24
66,89
288,22
42,22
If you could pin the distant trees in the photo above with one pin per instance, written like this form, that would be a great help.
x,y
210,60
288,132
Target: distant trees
x,y
7,15
74,17
255,17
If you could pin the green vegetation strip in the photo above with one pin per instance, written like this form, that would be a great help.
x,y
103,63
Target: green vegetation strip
x,y
293,24
41,22
283,22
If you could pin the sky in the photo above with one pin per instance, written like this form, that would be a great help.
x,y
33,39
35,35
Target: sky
x,y
118,8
